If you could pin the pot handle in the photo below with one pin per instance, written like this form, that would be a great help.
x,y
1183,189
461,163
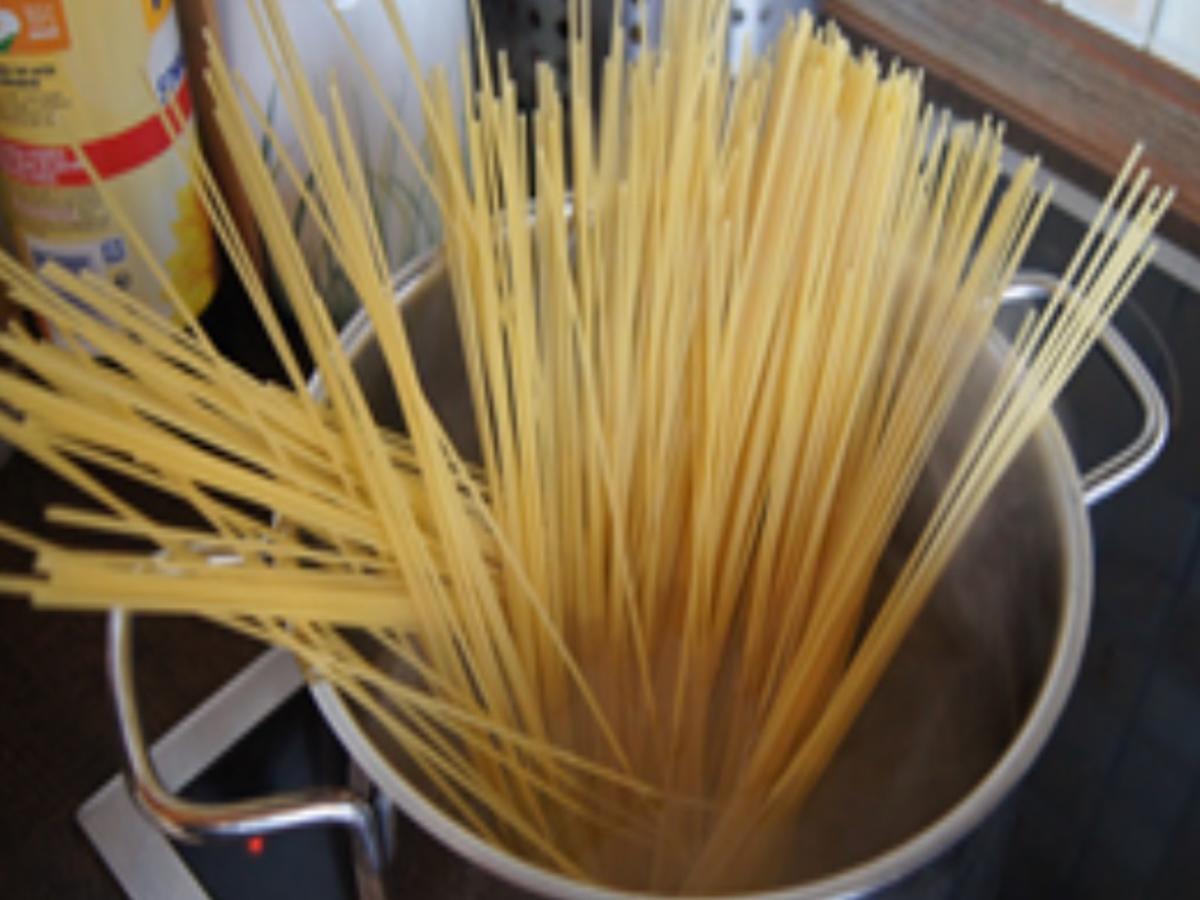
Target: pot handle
x,y
1122,467
194,822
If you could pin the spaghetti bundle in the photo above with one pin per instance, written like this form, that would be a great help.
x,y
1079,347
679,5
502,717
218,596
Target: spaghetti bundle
x,y
711,335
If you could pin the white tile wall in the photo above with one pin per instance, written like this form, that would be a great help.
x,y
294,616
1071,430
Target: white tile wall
x,y
1176,35
1170,29
1130,20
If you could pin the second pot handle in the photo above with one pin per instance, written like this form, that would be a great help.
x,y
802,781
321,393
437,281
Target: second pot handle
x,y
1122,467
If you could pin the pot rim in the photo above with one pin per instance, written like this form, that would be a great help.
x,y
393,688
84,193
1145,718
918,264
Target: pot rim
x,y
1067,499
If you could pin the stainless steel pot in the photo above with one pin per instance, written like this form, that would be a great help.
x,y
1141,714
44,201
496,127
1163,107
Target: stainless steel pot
x,y
1028,562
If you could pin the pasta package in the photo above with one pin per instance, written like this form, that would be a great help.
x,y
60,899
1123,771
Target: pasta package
x,y
83,88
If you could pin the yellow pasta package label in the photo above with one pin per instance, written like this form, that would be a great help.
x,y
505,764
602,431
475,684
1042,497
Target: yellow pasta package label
x,y
53,108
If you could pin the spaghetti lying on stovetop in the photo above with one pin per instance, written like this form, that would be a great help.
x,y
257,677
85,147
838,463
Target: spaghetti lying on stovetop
x,y
708,360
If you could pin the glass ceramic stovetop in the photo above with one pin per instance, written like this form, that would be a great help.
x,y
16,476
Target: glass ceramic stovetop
x,y
1110,809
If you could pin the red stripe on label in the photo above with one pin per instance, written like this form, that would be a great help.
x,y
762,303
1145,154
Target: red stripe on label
x,y
116,154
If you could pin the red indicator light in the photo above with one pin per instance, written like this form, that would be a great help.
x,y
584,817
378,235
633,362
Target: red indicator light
x,y
255,845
